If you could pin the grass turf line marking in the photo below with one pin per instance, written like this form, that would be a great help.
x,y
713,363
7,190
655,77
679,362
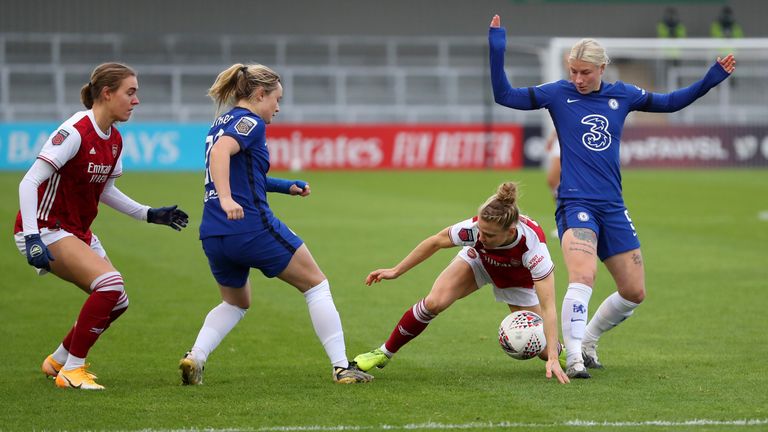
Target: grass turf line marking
x,y
513,425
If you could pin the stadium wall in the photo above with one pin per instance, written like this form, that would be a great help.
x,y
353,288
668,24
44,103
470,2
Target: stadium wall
x,y
625,18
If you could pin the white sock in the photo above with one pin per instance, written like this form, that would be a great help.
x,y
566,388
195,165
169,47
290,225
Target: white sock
x,y
574,316
327,323
384,349
218,323
73,363
611,313
61,354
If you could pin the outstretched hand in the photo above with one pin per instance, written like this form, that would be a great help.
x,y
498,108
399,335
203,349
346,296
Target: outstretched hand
x,y
496,21
379,275
728,63
171,216
553,368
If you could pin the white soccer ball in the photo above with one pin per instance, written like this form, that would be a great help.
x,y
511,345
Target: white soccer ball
x,y
521,335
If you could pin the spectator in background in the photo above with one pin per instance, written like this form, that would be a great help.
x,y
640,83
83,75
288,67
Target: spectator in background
x,y
670,25
59,199
725,26
551,165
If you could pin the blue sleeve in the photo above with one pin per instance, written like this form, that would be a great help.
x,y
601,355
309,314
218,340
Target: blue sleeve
x,y
638,97
503,92
679,99
282,185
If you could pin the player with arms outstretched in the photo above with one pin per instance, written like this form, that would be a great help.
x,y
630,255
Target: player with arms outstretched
x,y
499,247
59,197
592,219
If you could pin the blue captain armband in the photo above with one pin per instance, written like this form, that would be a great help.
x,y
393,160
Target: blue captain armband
x,y
283,185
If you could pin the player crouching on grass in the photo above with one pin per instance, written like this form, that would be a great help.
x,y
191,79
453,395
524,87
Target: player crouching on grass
x,y
500,247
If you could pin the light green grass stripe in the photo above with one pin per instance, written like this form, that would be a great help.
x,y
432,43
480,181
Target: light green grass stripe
x,y
515,425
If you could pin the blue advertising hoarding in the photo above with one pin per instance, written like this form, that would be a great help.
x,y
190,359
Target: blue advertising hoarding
x,y
146,146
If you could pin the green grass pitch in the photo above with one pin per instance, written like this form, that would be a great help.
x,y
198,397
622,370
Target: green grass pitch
x,y
691,358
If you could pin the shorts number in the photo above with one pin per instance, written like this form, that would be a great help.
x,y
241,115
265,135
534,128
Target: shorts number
x,y
631,225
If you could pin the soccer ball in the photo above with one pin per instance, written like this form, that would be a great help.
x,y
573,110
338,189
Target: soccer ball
x,y
521,335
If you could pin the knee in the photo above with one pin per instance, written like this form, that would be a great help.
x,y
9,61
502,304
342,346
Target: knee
x,y
110,281
242,305
435,305
587,278
636,295
238,303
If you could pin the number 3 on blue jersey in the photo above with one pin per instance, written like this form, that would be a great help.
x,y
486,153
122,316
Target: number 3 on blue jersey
x,y
598,138
209,141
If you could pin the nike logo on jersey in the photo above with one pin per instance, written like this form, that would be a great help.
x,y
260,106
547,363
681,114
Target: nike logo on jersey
x,y
569,100
576,319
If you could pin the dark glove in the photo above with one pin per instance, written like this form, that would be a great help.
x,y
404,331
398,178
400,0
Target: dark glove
x,y
171,216
38,254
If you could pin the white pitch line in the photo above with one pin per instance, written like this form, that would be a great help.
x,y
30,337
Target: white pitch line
x,y
514,425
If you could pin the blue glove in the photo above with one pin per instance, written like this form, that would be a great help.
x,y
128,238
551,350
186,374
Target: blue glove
x,y
283,186
301,184
38,254
171,216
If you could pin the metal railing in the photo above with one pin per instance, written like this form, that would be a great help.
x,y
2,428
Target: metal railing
x,y
326,79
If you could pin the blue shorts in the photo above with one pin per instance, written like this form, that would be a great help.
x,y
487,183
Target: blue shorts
x,y
609,220
231,257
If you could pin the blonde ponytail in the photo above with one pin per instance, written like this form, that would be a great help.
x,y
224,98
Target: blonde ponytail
x,y
501,208
240,81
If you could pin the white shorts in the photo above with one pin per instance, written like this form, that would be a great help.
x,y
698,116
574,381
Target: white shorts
x,y
49,236
512,296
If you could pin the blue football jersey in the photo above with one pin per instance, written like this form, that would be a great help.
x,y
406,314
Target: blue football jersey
x,y
589,126
589,129
247,175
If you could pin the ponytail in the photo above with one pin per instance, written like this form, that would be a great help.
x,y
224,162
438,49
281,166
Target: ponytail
x,y
240,81
108,75
501,208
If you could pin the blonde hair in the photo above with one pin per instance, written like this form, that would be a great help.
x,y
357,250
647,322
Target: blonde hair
x,y
240,81
109,75
501,208
590,51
